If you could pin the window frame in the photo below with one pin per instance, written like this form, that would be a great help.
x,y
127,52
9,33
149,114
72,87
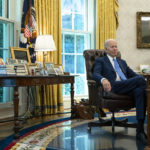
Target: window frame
x,y
91,5
5,8
7,90
7,107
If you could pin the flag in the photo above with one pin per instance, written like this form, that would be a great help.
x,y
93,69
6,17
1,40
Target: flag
x,y
28,28
27,32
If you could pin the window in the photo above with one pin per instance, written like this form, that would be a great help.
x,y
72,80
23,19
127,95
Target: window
x,y
77,35
4,8
6,40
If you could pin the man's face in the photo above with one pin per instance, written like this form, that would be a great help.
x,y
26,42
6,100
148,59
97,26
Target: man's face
x,y
112,49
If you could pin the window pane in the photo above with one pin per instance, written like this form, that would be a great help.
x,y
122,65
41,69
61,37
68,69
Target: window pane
x,y
80,65
1,34
6,34
6,40
69,43
66,6
0,7
78,6
6,94
79,22
66,89
80,43
80,86
67,21
73,14
66,14
69,63
4,53
1,94
62,43
4,8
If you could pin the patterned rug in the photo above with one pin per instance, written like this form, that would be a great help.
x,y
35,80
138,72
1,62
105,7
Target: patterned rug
x,y
41,136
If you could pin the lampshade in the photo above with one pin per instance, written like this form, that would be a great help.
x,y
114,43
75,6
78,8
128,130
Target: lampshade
x,y
45,43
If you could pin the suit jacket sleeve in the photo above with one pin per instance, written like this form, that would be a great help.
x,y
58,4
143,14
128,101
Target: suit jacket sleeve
x,y
97,71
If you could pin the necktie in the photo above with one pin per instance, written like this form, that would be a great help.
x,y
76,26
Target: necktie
x,y
118,70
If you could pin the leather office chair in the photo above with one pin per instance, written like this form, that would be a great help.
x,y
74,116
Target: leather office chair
x,y
98,97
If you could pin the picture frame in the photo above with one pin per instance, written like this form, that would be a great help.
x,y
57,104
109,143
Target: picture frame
x,y
2,61
40,72
20,53
20,61
59,69
50,68
39,64
143,29
144,68
11,61
32,69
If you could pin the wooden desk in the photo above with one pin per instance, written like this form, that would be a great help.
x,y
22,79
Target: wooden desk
x,y
20,81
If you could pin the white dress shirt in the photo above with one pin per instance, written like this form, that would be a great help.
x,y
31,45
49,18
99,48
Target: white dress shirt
x,y
112,62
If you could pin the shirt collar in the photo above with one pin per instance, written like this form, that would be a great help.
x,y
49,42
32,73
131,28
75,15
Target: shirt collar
x,y
111,58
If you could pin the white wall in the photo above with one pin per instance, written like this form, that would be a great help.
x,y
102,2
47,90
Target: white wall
x,y
126,32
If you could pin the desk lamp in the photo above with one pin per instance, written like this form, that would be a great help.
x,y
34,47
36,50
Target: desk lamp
x,y
43,44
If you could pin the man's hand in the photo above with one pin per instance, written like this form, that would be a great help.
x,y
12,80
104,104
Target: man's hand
x,y
106,85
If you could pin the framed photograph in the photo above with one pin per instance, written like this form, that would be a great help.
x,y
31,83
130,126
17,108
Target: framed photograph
x,y
145,68
50,68
11,61
1,62
143,29
39,64
20,53
20,61
59,69
32,69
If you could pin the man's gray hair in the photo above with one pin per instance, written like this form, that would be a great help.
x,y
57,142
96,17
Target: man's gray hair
x,y
106,44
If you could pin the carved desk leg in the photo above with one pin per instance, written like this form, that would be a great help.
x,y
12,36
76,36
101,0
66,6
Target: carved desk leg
x,y
42,100
16,119
72,99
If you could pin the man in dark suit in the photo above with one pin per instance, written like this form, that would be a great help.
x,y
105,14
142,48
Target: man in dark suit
x,y
116,76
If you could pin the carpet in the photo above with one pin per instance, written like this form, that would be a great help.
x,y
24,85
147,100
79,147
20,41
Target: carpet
x,y
50,135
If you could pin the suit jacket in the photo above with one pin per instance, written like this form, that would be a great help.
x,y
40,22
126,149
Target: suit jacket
x,y
104,69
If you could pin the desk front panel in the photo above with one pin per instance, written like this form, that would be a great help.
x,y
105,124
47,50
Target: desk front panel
x,y
11,81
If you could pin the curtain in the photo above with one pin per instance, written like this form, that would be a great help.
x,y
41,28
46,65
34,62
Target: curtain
x,y
107,21
48,17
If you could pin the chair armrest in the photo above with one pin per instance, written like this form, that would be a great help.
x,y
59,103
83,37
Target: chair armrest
x,y
94,84
95,92
91,82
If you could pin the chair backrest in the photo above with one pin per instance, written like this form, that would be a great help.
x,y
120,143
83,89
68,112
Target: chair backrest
x,y
90,56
